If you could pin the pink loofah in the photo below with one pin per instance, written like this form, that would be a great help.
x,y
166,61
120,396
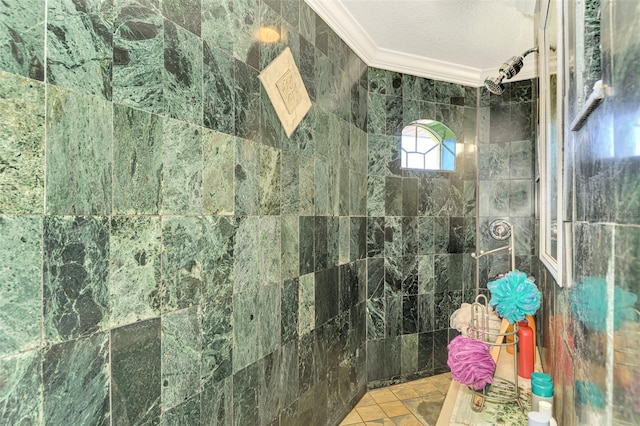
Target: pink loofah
x,y
470,362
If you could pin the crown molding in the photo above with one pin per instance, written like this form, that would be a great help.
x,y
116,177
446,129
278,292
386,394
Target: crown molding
x,y
352,33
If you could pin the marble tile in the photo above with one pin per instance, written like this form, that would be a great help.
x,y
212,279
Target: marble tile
x,y
269,319
333,240
409,197
247,102
187,413
394,115
426,235
307,22
218,160
321,188
80,46
23,32
290,249
182,168
393,315
134,269
409,236
21,392
521,197
217,25
410,268
217,403
375,277
135,372
76,381
246,384
218,89
375,195
326,295
426,274
269,391
185,13
75,272
307,229
307,185
217,257
385,361
217,341
393,236
375,236
246,252
270,180
246,20
246,326
493,200
138,56
181,262
320,247
290,183
376,114
392,275
306,304
358,237
182,75
409,354
425,352
22,178
247,177
181,356
78,153
20,294
344,240
289,303
383,155
137,161
425,312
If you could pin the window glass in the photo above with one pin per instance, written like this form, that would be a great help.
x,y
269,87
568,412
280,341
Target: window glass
x,y
428,145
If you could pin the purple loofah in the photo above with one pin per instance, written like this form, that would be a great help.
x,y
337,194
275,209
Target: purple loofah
x,y
470,362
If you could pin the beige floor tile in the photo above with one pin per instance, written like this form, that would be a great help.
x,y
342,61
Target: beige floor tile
x,y
394,409
408,420
371,412
380,422
405,392
353,418
365,400
382,395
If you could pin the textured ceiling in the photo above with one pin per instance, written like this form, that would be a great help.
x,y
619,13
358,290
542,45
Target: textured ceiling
x,y
461,41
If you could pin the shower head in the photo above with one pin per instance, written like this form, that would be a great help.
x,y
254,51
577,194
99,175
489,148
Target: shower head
x,y
510,68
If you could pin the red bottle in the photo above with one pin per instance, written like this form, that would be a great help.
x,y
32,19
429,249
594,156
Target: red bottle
x,y
525,350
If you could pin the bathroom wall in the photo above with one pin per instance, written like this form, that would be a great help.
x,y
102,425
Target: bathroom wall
x,y
506,176
420,228
168,254
592,346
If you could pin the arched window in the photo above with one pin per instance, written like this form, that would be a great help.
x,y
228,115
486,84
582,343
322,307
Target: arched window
x,y
428,145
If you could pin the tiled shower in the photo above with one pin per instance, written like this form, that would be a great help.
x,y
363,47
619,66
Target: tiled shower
x,y
168,255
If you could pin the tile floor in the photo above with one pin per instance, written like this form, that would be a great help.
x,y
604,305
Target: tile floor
x,y
415,403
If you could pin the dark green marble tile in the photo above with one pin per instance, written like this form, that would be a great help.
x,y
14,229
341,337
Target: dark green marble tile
x,y
218,89
80,46
375,195
270,180
182,76
270,388
182,262
22,145
76,381
307,185
246,326
375,319
217,341
358,231
289,302
247,101
20,294
383,155
216,256
76,267
182,168
137,161
187,413
21,390
134,279
78,153
333,241
358,160
269,319
218,173
138,56
246,255
185,13
247,177
218,25
181,356
22,32
269,240
290,247
393,196
135,372
217,403
321,188
376,114
290,181
306,304
290,382
246,384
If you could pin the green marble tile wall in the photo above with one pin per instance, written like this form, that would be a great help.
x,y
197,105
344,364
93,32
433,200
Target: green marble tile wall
x,y
420,228
593,357
169,256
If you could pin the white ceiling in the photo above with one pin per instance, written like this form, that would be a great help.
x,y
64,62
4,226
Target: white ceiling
x,y
460,41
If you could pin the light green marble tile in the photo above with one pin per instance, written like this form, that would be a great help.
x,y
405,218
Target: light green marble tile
x,y
138,56
181,356
307,302
137,165
21,145
20,281
76,381
218,173
246,255
290,250
344,240
307,185
268,253
269,319
217,24
22,35
217,341
79,46
247,175
21,390
217,257
270,181
182,168
245,329
79,144
134,279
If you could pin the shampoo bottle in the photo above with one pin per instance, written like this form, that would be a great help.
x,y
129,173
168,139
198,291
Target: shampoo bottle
x,y
525,350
